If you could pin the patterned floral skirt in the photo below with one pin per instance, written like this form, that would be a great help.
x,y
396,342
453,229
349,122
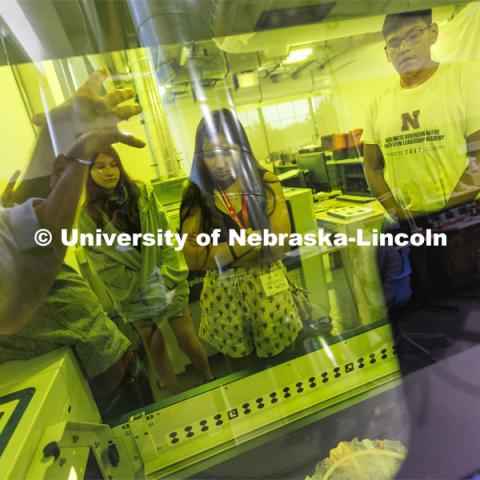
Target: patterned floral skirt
x,y
238,317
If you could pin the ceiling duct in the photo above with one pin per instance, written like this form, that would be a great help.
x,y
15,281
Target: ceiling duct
x,y
179,32
289,17
179,35
169,22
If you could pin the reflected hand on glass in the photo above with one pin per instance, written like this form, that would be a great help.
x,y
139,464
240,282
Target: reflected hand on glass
x,y
88,110
97,140
6,199
91,143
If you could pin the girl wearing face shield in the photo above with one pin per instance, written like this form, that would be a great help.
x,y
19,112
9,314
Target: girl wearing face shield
x,y
241,315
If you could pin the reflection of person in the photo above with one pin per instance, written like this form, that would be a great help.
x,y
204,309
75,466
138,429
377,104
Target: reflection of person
x,y
26,277
148,284
229,190
418,130
45,306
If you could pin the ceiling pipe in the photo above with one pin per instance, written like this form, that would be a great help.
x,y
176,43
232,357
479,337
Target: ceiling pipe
x,y
170,22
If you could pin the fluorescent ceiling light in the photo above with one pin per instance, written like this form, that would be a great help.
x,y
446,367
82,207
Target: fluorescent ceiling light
x,y
298,55
245,80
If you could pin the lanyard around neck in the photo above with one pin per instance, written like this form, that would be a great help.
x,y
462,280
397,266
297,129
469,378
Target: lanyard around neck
x,y
242,223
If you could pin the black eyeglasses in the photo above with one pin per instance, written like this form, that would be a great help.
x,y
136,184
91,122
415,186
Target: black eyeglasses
x,y
411,38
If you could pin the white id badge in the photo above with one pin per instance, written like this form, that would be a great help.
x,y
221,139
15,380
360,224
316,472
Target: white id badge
x,y
274,282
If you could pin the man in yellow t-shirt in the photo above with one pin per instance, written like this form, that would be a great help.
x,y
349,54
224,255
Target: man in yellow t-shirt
x,y
422,133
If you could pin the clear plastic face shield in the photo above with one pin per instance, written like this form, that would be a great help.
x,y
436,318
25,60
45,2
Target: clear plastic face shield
x,y
250,267
177,92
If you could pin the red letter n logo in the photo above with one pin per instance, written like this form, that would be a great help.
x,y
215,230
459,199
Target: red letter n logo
x,y
410,120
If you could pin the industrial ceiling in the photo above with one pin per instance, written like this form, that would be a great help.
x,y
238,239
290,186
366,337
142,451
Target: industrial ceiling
x,y
79,27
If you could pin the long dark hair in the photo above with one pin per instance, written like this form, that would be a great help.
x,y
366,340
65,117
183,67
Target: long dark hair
x,y
119,205
199,192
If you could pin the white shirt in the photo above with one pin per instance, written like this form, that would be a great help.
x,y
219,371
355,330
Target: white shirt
x,y
421,132
26,270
